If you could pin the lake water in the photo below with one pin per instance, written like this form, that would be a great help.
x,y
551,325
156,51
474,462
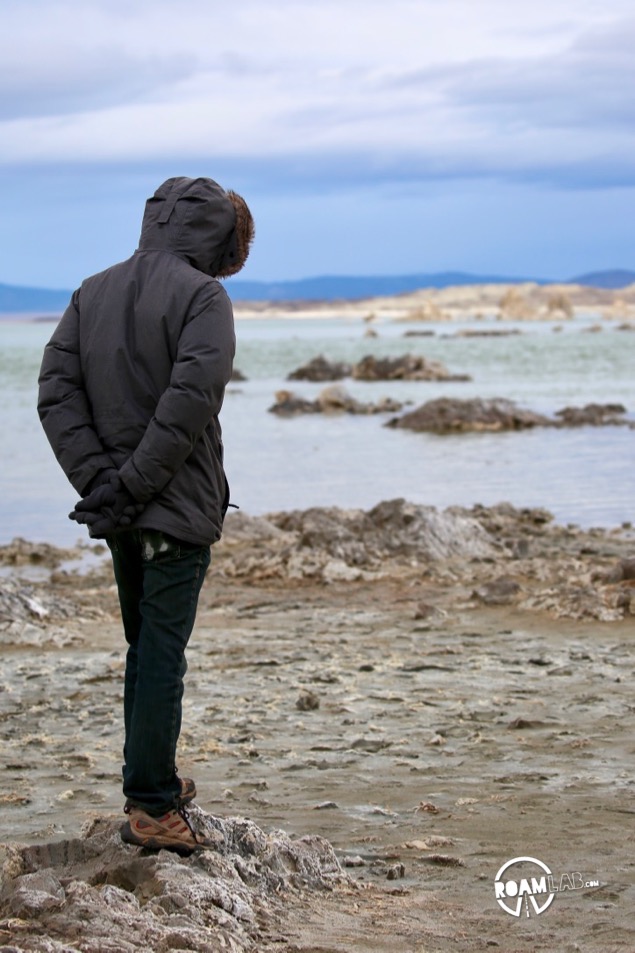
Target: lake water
x,y
582,475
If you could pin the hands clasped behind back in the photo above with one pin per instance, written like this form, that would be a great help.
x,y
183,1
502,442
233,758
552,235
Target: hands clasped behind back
x,y
109,506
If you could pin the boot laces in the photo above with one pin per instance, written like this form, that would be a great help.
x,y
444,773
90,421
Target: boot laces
x,y
182,812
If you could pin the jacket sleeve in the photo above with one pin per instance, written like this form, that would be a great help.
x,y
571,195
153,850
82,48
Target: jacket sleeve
x,y
193,399
63,405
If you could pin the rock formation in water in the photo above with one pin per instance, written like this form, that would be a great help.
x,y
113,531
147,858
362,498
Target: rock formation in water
x,y
333,399
318,369
408,367
594,415
451,415
447,415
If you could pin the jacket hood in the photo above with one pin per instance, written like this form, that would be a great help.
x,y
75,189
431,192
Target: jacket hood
x,y
195,219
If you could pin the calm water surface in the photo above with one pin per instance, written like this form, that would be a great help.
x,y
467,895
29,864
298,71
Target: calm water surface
x,y
582,476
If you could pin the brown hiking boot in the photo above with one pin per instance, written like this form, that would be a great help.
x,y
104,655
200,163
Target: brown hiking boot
x,y
188,790
172,831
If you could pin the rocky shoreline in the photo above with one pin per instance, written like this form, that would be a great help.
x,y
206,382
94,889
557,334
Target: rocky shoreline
x,y
383,707
524,301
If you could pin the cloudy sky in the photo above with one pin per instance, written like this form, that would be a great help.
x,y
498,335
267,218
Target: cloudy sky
x,y
490,136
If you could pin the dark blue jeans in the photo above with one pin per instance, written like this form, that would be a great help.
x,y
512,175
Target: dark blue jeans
x,y
159,579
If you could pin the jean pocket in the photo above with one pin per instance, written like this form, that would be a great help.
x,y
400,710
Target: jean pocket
x,y
157,546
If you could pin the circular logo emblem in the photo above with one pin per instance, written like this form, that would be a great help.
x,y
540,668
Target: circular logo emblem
x,y
524,883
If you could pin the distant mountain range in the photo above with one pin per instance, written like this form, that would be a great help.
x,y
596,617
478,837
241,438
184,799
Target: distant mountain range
x,y
15,299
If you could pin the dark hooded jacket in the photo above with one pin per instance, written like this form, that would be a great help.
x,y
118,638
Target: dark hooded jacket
x,y
135,373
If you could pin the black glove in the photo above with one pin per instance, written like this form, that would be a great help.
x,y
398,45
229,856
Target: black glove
x,y
107,508
102,477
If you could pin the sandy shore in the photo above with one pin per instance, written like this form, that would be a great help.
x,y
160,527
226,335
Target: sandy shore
x,y
526,301
433,694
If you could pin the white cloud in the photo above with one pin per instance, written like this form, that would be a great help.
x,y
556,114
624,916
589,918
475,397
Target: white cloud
x,y
410,89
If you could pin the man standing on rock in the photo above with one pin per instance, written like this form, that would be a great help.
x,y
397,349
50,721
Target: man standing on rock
x,y
131,385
